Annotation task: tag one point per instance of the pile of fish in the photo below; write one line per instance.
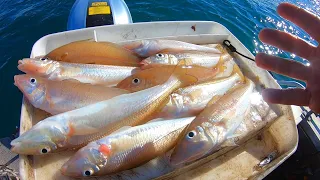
(122, 105)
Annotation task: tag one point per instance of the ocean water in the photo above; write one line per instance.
(22, 22)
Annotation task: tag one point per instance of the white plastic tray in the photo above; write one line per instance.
(231, 163)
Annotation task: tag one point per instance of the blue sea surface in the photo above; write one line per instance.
(23, 22)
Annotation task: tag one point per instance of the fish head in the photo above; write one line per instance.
(139, 81)
(43, 138)
(160, 58)
(32, 87)
(40, 66)
(195, 143)
(87, 161)
(151, 76)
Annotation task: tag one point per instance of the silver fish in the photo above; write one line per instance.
(199, 58)
(146, 48)
(213, 126)
(84, 73)
(191, 100)
(126, 149)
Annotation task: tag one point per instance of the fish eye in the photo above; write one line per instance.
(43, 59)
(160, 55)
(88, 172)
(45, 150)
(191, 134)
(135, 81)
(33, 81)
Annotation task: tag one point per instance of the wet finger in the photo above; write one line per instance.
(306, 20)
(288, 43)
(299, 97)
(283, 66)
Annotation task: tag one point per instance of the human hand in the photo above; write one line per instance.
(309, 74)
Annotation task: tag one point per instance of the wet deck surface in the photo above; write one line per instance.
(304, 164)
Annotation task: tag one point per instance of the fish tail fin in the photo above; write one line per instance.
(237, 70)
(181, 73)
(220, 66)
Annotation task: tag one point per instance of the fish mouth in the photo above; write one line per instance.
(14, 144)
(18, 81)
(15, 79)
(64, 171)
(21, 65)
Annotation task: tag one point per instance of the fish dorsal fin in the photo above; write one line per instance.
(150, 66)
(181, 72)
(187, 61)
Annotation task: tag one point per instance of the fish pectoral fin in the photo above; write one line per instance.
(231, 141)
(188, 61)
(50, 101)
(233, 136)
(194, 95)
(181, 72)
(150, 66)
